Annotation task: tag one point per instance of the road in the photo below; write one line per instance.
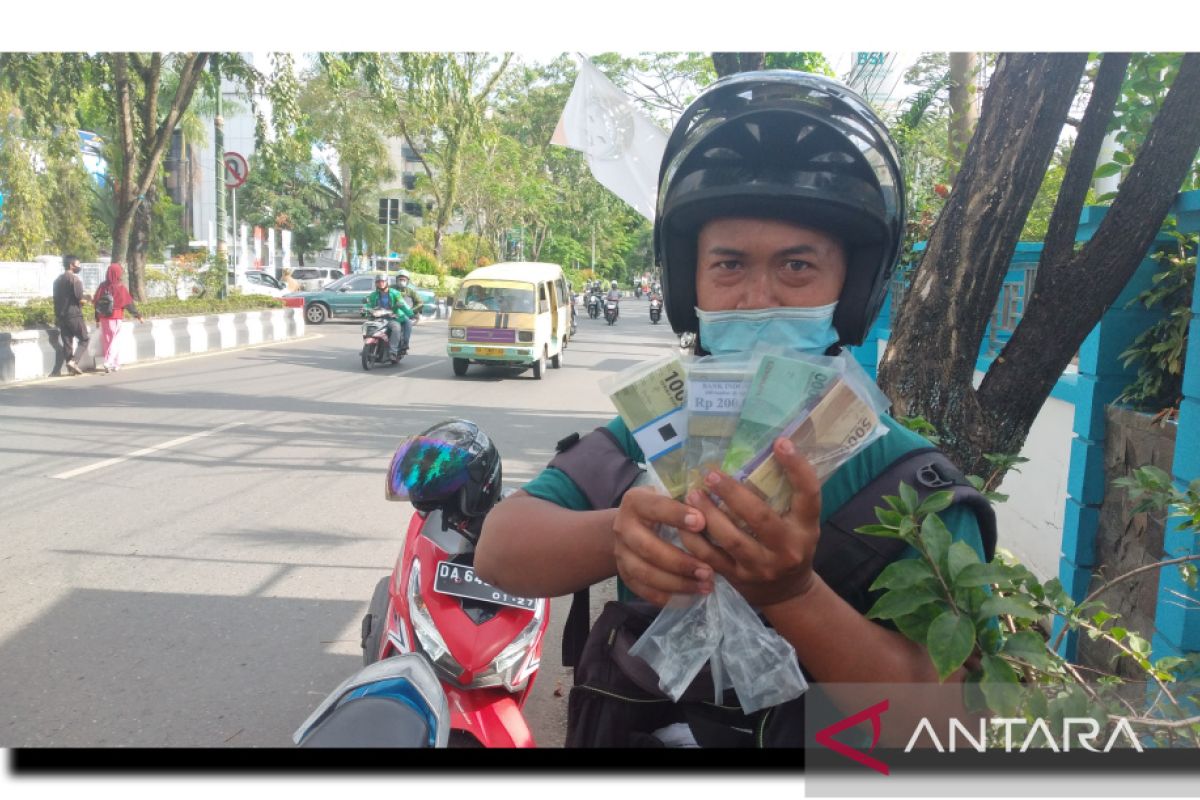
(188, 547)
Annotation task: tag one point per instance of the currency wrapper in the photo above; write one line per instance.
(837, 428)
(651, 403)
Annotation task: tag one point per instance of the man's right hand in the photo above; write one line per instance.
(653, 568)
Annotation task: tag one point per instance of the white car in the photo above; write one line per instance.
(257, 282)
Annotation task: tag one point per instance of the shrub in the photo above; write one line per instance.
(40, 313)
(421, 260)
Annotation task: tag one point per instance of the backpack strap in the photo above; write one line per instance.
(850, 562)
(603, 472)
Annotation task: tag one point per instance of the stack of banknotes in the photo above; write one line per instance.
(690, 415)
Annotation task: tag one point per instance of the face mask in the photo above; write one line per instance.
(808, 329)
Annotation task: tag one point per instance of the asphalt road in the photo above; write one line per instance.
(188, 547)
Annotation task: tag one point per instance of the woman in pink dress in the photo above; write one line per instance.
(113, 315)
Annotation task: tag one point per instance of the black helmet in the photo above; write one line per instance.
(452, 466)
(786, 145)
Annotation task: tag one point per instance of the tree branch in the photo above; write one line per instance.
(1064, 220)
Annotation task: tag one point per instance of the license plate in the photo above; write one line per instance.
(460, 581)
(489, 351)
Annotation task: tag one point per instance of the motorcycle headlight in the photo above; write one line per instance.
(515, 664)
(428, 638)
(458, 333)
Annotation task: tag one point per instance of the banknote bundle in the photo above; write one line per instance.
(716, 389)
(650, 399)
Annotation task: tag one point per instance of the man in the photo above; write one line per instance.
(614, 296)
(68, 313)
(778, 190)
(414, 302)
(391, 300)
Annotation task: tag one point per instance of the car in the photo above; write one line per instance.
(314, 278)
(258, 282)
(345, 296)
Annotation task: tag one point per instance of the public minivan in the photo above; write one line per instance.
(515, 314)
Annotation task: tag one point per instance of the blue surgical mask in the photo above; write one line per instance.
(808, 329)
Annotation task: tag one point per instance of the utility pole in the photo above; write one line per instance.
(219, 175)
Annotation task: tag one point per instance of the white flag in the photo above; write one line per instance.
(623, 146)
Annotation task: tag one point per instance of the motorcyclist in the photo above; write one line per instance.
(404, 286)
(391, 300)
(614, 295)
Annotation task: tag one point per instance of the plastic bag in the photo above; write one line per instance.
(720, 628)
(785, 385)
(650, 399)
(716, 389)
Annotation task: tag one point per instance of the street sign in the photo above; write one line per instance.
(236, 170)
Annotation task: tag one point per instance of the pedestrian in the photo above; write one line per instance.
(112, 300)
(806, 231)
(69, 298)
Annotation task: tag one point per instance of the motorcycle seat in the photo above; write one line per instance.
(374, 721)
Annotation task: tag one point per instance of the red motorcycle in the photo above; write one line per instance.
(485, 644)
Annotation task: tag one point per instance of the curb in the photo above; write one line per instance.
(29, 355)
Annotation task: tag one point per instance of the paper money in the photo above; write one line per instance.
(839, 426)
(716, 390)
(651, 402)
(780, 392)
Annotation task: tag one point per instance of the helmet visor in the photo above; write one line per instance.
(427, 467)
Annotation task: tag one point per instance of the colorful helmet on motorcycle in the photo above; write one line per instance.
(783, 145)
(452, 466)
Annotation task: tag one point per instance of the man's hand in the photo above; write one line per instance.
(768, 559)
(653, 568)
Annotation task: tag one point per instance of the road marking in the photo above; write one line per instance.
(144, 451)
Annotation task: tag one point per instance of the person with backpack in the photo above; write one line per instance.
(777, 190)
(112, 300)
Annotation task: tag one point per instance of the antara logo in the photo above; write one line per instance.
(825, 737)
(1082, 732)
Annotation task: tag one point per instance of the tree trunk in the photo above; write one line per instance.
(929, 363)
(964, 107)
(730, 63)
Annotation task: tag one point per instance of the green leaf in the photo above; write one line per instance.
(978, 574)
(1123, 158)
(885, 531)
(902, 601)
(1139, 645)
(959, 557)
(889, 518)
(909, 497)
(1001, 686)
(902, 574)
(950, 640)
(936, 538)
(995, 606)
(938, 501)
(1029, 647)
(915, 626)
(1107, 170)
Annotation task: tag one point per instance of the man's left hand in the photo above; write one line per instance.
(773, 561)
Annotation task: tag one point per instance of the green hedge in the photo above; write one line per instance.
(40, 313)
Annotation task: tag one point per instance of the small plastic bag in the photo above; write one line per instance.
(716, 388)
(650, 399)
(720, 628)
(759, 663)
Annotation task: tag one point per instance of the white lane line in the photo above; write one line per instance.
(144, 451)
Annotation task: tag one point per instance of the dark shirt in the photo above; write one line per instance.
(68, 296)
